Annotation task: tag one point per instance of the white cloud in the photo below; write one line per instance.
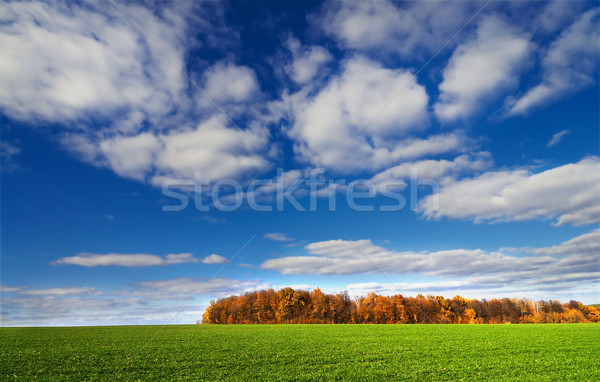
(225, 82)
(569, 64)
(62, 59)
(562, 288)
(74, 64)
(557, 14)
(480, 68)
(125, 260)
(410, 29)
(360, 120)
(569, 193)
(575, 271)
(214, 259)
(362, 91)
(91, 311)
(433, 169)
(286, 179)
(556, 138)
(187, 287)
(214, 150)
(211, 149)
(131, 157)
(306, 61)
(10, 289)
(474, 287)
(362, 256)
(586, 244)
(277, 236)
(579, 255)
(61, 291)
(365, 88)
(569, 269)
(149, 302)
(58, 310)
(575, 277)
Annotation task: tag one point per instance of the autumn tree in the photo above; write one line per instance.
(298, 306)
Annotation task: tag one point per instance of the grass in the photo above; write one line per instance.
(303, 352)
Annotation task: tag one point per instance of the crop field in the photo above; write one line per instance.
(303, 352)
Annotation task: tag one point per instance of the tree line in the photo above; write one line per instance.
(303, 307)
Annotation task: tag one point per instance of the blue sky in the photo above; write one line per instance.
(474, 123)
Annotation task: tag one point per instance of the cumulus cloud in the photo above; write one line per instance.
(125, 260)
(121, 92)
(480, 68)
(361, 119)
(569, 64)
(306, 61)
(211, 149)
(225, 82)
(131, 156)
(361, 92)
(214, 259)
(214, 150)
(569, 193)
(409, 29)
(62, 59)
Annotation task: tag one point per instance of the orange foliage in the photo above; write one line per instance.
(298, 306)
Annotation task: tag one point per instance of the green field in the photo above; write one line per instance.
(303, 352)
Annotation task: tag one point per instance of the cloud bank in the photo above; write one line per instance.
(570, 194)
(125, 260)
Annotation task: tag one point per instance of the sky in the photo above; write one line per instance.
(159, 155)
